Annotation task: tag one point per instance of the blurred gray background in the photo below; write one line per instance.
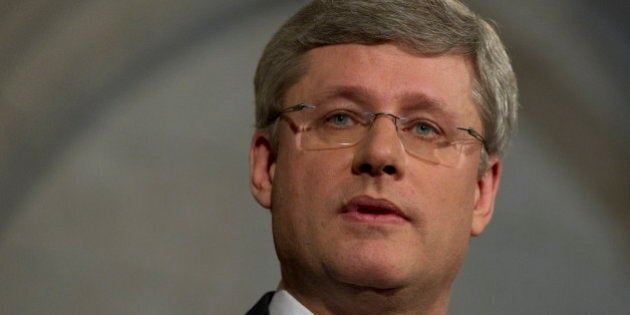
(124, 132)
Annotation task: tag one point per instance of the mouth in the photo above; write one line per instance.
(375, 211)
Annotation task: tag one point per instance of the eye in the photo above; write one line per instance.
(424, 129)
(339, 119)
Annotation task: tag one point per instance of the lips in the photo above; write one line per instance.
(371, 210)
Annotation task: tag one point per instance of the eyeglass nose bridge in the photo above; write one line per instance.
(374, 116)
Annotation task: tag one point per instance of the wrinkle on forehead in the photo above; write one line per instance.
(387, 77)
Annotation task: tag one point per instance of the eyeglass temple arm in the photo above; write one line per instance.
(295, 108)
(475, 134)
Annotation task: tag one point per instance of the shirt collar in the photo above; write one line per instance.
(283, 303)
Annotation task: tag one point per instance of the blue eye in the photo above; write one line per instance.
(339, 119)
(424, 129)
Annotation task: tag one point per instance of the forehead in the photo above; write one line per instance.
(386, 78)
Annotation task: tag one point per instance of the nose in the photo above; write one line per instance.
(380, 152)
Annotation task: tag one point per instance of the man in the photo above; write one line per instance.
(380, 131)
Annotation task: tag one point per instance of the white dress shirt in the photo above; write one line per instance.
(283, 303)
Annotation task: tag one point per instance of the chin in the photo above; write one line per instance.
(373, 271)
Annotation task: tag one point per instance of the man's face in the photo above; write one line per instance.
(371, 215)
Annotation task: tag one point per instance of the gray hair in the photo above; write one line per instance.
(425, 27)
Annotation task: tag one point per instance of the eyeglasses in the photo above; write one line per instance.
(331, 126)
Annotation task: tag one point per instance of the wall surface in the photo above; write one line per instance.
(124, 132)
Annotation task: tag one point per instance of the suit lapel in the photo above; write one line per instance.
(262, 306)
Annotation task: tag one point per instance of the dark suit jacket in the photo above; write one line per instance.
(262, 307)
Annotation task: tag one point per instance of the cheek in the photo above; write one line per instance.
(446, 199)
(309, 187)
(307, 192)
(310, 176)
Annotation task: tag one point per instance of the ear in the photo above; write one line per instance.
(261, 168)
(486, 192)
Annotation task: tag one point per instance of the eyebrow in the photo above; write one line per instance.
(355, 93)
(410, 100)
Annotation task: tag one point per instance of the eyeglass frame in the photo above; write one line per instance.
(301, 106)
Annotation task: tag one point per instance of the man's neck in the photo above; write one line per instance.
(348, 299)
